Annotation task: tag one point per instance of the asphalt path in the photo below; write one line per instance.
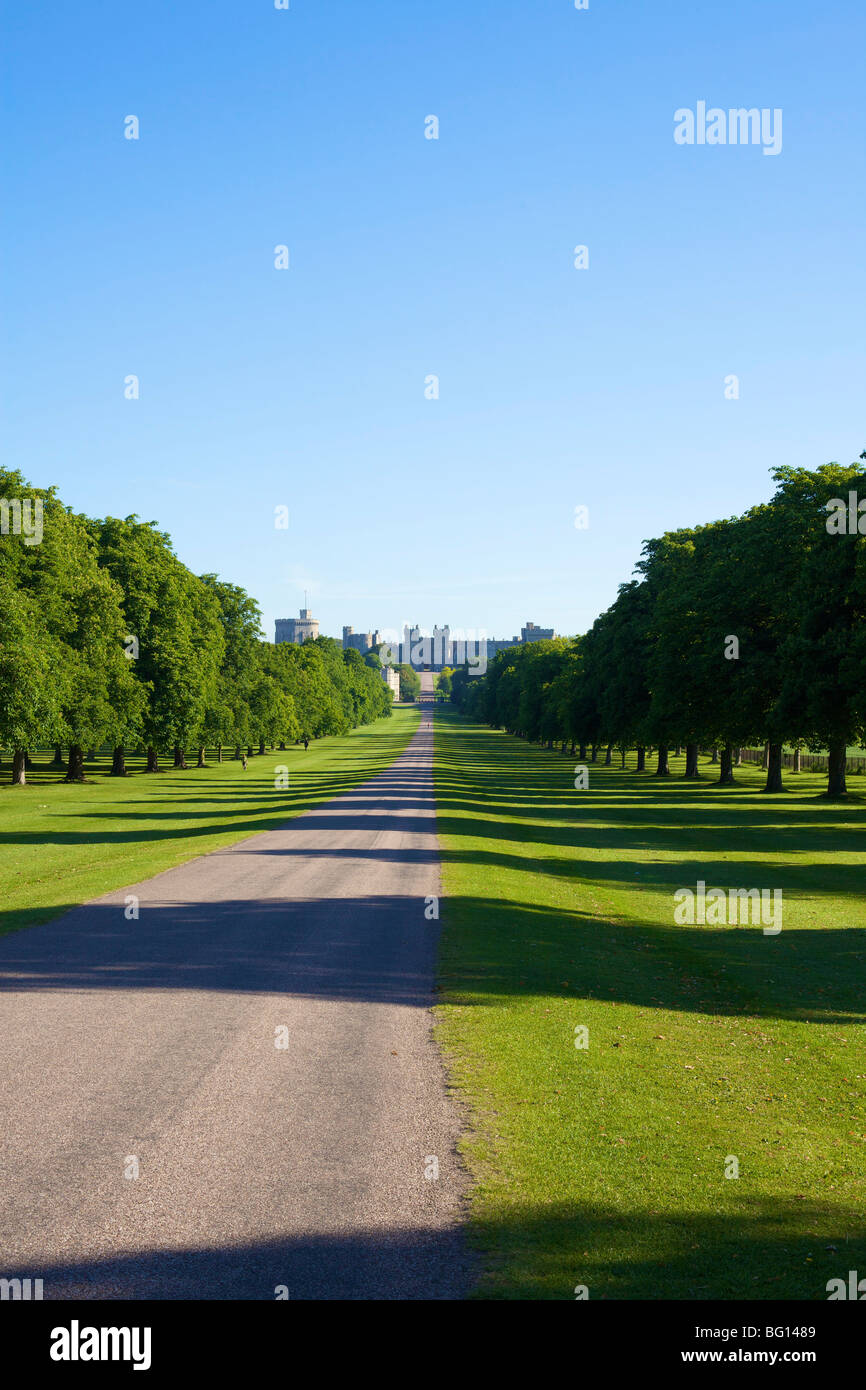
(257, 1048)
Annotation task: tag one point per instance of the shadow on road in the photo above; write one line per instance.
(548, 1251)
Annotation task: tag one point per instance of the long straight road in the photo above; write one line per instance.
(257, 1047)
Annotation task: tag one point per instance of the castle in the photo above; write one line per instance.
(417, 648)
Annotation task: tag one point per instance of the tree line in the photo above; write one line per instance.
(107, 638)
(751, 629)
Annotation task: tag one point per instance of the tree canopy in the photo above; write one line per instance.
(107, 637)
(752, 628)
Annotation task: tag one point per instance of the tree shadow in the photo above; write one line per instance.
(376, 949)
(382, 949)
(741, 1247)
(504, 949)
(744, 1248)
(404, 1265)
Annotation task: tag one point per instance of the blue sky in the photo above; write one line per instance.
(409, 257)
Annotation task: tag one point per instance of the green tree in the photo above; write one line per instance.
(29, 661)
(80, 607)
(823, 658)
(173, 621)
(410, 682)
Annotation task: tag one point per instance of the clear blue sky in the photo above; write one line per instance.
(409, 257)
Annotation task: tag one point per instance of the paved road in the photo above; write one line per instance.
(259, 1166)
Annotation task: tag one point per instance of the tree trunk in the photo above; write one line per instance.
(179, 757)
(715, 757)
(607, 755)
(118, 762)
(219, 752)
(75, 767)
(641, 758)
(622, 754)
(766, 759)
(594, 756)
(19, 770)
(691, 761)
(282, 747)
(662, 769)
(237, 752)
(57, 760)
(726, 767)
(797, 761)
(91, 756)
(261, 748)
(738, 757)
(249, 750)
(581, 752)
(774, 768)
(201, 762)
(836, 784)
(152, 760)
(678, 749)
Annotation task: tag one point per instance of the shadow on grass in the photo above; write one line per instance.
(494, 950)
(500, 790)
(747, 1248)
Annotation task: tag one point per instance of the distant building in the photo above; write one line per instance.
(500, 644)
(392, 680)
(531, 633)
(362, 642)
(433, 651)
(422, 650)
(302, 629)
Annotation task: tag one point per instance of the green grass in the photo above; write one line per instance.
(62, 845)
(605, 1167)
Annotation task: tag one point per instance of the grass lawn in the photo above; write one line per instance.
(61, 845)
(605, 1167)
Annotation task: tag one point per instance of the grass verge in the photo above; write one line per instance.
(606, 1167)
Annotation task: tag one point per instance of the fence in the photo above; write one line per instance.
(809, 762)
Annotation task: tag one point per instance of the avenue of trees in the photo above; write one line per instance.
(107, 638)
(745, 631)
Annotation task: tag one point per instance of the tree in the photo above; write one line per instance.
(80, 612)
(228, 715)
(443, 683)
(29, 660)
(174, 622)
(616, 654)
(410, 683)
(822, 689)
